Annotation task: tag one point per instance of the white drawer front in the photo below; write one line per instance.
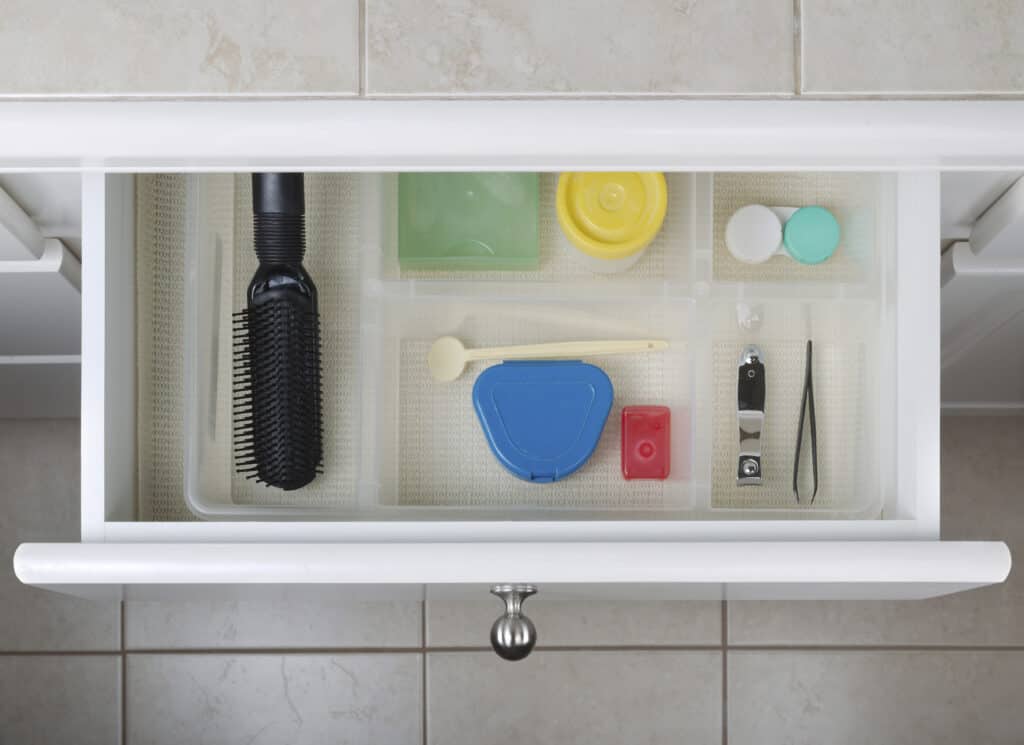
(879, 540)
(728, 571)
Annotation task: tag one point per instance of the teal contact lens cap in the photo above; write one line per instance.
(811, 235)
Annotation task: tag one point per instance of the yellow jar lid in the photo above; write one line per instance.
(611, 215)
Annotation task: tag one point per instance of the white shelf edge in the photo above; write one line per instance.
(701, 135)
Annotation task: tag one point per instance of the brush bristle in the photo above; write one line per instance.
(277, 394)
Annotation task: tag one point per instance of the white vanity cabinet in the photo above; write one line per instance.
(875, 533)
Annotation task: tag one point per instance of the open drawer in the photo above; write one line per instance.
(410, 495)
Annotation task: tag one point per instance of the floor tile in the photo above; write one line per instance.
(255, 698)
(39, 501)
(330, 618)
(189, 47)
(981, 500)
(461, 620)
(913, 46)
(58, 699)
(536, 46)
(581, 696)
(854, 698)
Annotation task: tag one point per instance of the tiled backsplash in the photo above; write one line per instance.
(499, 48)
(207, 47)
(579, 47)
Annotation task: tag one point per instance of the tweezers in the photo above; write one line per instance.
(806, 406)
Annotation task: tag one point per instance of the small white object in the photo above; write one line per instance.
(749, 316)
(753, 234)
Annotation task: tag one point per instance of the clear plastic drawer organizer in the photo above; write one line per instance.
(400, 446)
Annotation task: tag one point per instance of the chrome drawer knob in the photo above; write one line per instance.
(513, 634)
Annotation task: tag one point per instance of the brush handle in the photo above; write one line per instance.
(279, 237)
(279, 224)
(565, 350)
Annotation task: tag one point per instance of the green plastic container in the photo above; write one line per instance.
(468, 221)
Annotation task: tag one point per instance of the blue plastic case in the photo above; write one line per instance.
(543, 420)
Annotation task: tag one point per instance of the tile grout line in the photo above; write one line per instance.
(63, 653)
(412, 649)
(124, 682)
(798, 48)
(876, 648)
(725, 672)
(251, 651)
(423, 683)
(190, 651)
(284, 96)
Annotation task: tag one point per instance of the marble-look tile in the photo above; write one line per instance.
(913, 46)
(58, 699)
(328, 617)
(254, 698)
(39, 501)
(464, 620)
(188, 47)
(538, 46)
(854, 698)
(982, 499)
(589, 697)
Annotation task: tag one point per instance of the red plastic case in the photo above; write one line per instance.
(646, 442)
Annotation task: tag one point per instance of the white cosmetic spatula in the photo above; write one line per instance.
(448, 357)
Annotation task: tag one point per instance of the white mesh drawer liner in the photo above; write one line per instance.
(429, 448)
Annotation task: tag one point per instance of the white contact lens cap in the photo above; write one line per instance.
(753, 234)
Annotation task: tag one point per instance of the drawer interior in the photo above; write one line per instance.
(399, 446)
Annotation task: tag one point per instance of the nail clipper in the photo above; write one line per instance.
(750, 415)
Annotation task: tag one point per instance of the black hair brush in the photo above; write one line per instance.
(277, 345)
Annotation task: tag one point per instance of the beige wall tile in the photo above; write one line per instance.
(537, 46)
(465, 621)
(897, 698)
(39, 501)
(574, 697)
(325, 617)
(913, 46)
(58, 699)
(188, 47)
(297, 699)
(982, 499)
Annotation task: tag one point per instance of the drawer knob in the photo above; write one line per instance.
(513, 634)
